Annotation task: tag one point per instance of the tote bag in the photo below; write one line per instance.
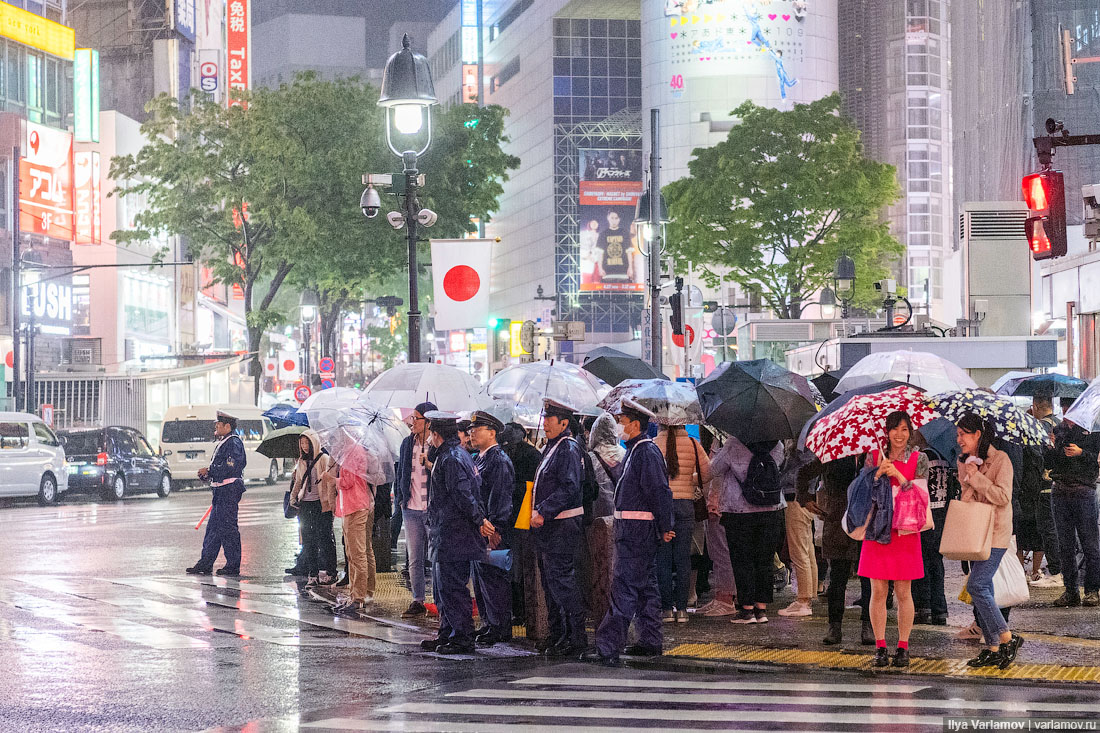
(967, 531)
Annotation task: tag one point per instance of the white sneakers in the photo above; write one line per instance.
(717, 608)
(797, 608)
(1046, 581)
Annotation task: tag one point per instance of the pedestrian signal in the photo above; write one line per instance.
(1045, 228)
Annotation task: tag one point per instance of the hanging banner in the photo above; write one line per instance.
(88, 211)
(460, 275)
(238, 35)
(46, 182)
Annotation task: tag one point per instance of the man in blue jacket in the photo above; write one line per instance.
(643, 520)
(492, 584)
(410, 492)
(225, 476)
(556, 518)
(457, 530)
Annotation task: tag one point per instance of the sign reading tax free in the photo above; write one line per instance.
(238, 45)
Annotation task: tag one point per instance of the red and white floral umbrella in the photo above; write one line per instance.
(860, 426)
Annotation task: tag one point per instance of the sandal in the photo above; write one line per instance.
(973, 632)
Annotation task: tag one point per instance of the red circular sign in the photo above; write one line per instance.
(327, 364)
(10, 360)
(289, 365)
(271, 366)
(679, 340)
(461, 283)
(302, 393)
(327, 384)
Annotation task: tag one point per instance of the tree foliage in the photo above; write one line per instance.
(773, 205)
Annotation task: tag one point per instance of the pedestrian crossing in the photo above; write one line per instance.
(139, 510)
(656, 702)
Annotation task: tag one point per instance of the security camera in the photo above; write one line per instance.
(370, 202)
(981, 308)
(427, 217)
(886, 287)
(1054, 126)
(396, 219)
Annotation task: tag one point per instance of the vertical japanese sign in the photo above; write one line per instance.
(183, 18)
(88, 214)
(86, 95)
(46, 182)
(238, 34)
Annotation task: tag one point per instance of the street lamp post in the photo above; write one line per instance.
(407, 96)
(844, 282)
(308, 306)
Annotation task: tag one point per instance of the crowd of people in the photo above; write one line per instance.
(628, 522)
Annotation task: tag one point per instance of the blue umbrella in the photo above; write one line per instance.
(842, 400)
(1050, 385)
(285, 415)
(942, 437)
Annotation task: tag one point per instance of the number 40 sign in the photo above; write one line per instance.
(676, 84)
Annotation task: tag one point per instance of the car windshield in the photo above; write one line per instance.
(83, 443)
(187, 431)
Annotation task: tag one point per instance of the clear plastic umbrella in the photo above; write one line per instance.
(674, 403)
(407, 385)
(929, 372)
(335, 398)
(1085, 410)
(362, 437)
(526, 385)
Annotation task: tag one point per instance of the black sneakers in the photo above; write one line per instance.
(199, 570)
(416, 608)
(901, 658)
(881, 658)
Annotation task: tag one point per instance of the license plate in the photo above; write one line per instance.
(192, 455)
(73, 470)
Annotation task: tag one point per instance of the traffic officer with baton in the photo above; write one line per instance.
(493, 584)
(643, 520)
(457, 532)
(556, 523)
(225, 476)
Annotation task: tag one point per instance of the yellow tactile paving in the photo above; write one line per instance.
(845, 660)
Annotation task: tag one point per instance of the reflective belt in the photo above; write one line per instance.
(570, 513)
(648, 516)
(226, 482)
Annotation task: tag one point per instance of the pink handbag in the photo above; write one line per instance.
(912, 511)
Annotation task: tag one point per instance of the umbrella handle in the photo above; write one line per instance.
(204, 516)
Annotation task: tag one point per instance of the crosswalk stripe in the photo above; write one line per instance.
(736, 686)
(893, 703)
(817, 717)
(440, 726)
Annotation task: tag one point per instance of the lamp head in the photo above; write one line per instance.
(844, 277)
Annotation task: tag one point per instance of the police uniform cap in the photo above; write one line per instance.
(441, 416)
(464, 426)
(554, 408)
(225, 417)
(485, 419)
(635, 411)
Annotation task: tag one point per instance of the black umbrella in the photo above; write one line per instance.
(756, 400)
(613, 366)
(826, 383)
(1047, 385)
(842, 400)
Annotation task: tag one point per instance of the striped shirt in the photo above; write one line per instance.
(418, 479)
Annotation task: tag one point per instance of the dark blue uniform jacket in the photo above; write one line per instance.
(454, 517)
(643, 487)
(228, 461)
(558, 489)
(497, 481)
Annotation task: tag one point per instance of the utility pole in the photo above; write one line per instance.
(16, 279)
(655, 243)
(412, 207)
(31, 403)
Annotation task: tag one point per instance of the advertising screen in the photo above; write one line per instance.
(610, 184)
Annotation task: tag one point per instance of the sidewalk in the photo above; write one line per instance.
(1062, 644)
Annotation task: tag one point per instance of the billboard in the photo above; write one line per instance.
(238, 36)
(183, 18)
(46, 182)
(86, 95)
(87, 214)
(35, 31)
(610, 184)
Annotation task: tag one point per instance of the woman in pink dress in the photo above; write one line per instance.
(900, 561)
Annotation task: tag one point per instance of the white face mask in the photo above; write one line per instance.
(620, 431)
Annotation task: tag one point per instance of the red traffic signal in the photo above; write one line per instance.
(1045, 229)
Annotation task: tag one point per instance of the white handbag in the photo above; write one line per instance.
(1010, 582)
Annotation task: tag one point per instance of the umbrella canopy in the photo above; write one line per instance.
(1007, 377)
(526, 385)
(859, 425)
(930, 372)
(613, 366)
(1050, 385)
(1086, 408)
(942, 437)
(1010, 423)
(363, 438)
(756, 400)
(674, 403)
(842, 400)
(281, 443)
(827, 382)
(336, 398)
(283, 415)
(407, 385)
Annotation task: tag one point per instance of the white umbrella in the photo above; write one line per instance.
(362, 428)
(929, 372)
(328, 399)
(407, 385)
(526, 385)
(1085, 410)
(673, 403)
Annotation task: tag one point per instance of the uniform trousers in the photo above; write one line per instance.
(493, 591)
(634, 596)
(565, 608)
(221, 529)
(456, 612)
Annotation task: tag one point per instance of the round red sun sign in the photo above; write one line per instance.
(679, 340)
(461, 283)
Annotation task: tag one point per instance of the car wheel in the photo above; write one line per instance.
(272, 473)
(116, 490)
(47, 491)
(165, 486)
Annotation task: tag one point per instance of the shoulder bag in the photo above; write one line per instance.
(967, 531)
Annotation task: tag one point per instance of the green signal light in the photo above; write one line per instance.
(471, 124)
(493, 322)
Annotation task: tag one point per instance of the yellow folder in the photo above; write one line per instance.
(523, 521)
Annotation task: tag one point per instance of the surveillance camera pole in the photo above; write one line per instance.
(412, 207)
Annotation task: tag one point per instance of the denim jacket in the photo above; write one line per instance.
(870, 497)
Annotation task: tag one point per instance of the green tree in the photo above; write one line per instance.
(773, 205)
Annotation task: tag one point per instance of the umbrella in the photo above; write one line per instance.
(859, 425)
(526, 385)
(929, 372)
(1086, 408)
(363, 437)
(327, 400)
(283, 415)
(1009, 422)
(756, 400)
(826, 383)
(613, 366)
(838, 402)
(281, 443)
(407, 385)
(942, 437)
(1009, 377)
(1050, 385)
(674, 403)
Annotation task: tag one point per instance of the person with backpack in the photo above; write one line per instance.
(315, 497)
(688, 469)
(751, 504)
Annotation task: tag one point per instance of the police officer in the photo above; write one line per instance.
(643, 519)
(225, 478)
(492, 584)
(457, 532)
(556, 518)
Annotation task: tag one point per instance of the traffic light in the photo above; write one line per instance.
(1045, 194)
(677, 317)
(710, 306)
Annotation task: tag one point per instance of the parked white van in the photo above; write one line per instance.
(32, 461)
(187, 441)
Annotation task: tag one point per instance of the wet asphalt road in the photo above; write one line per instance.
(101, 630)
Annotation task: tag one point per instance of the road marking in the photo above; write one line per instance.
(737, 686)
(744, 716)
(441, 726)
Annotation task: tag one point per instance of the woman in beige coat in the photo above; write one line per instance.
(315, 496)
(688, 469)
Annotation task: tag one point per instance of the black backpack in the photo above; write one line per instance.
(761, 486)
